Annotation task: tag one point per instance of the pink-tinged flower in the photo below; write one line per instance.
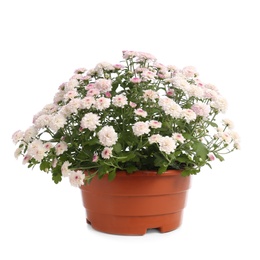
(70, 95)
(90, 86)
(65, 169)
(188, 115)
(226, 137)
(107, 136)
(103, 85)
(95, 157)
(118, 66)
(93, 92)
(178, 137)
(119, 100)
(71, 107)
(154, 138)
(80, 70)
(132, 104)
(47, 146)
(211, 157)
(77, 178)
(90, 121)
(140, 112)
(85, 77)
(147, 75)
(189, 72)
(87, 102)
(26, 158)
(135, 80)
(108, 95)
(142, 56)
(201, 109)
(155, 124)
(61, 147)
(17, 136)
(102, 103)
(107, 152)
(140, 128)
(167, 144)
(129, 54)
(150, 94)
(170, 93)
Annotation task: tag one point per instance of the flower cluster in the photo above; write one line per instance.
(139, 114)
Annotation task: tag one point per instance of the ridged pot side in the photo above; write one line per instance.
(133, 203)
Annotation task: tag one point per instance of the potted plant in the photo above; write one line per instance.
(111, 127)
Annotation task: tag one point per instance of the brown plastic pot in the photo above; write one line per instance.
(133, 203)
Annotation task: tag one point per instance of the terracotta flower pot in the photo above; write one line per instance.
(133, 203)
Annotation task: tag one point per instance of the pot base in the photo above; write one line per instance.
(133, 225)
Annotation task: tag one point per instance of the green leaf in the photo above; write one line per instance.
(56, 178)
(44, 165)
(112, 175)
(131, 169)
(117, 148)
(200, 150)
(162, 169)
(219, 157)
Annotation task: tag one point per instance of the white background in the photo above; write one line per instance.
(43, 42)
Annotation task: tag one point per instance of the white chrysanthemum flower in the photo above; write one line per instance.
(102, 103)
(61, 147)
(140, 128)
(17, 136)
(71, 85)
(188, 115)
(154, 138)
(104, 66)
(65, 169)
(77, 178)
(56, 122)
(220, 103)
(107, 136)
(119, 100)
(196, 91)
(90, 121)
(70, 94)
(30, 133)
(167, 144)
(201, 109)
(87, 102)
(37, 150)
(103, 85)
(173, 110)
(150, 94)
(227, 122)
(189, 72)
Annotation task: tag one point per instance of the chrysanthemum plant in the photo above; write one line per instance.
(136, 115)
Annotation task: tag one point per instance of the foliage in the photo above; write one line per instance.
(139, 114)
